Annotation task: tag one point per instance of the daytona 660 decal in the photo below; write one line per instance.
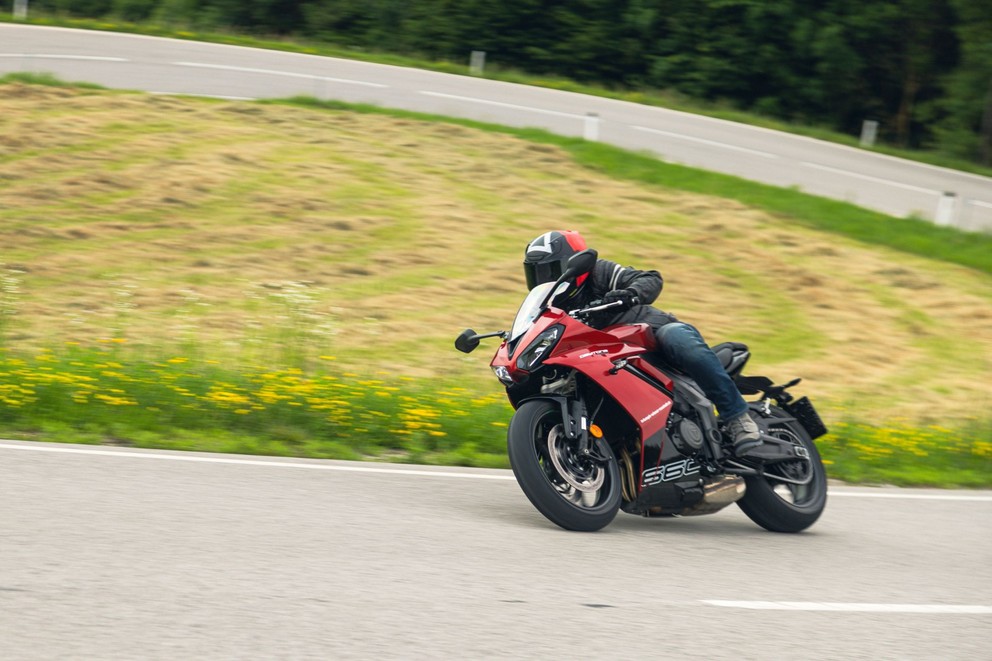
(669, 472)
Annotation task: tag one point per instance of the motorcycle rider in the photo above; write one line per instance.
(680, 344)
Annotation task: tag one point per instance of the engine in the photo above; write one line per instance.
(686, 435)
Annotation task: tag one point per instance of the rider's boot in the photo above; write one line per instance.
(744, 432)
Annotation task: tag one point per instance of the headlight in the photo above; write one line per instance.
(503, 374)
(539, 348)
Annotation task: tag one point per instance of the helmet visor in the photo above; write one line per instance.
(538, 274)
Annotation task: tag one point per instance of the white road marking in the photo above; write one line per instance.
(385, 469)
(272, 72)
(933, 609)
(503, 105)
(55, 56)
(887, 182)
(712, 143)
(207, 459)
(987, 205)
(907, 496)
(815, 142)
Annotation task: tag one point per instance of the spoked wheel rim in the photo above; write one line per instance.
(794, 482)
(577, 479)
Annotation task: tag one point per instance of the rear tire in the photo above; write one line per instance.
(777, 505)
(534, 435)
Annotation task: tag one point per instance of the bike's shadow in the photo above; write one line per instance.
(730, 522)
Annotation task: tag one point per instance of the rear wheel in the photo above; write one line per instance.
(572, 490)
(790, 495)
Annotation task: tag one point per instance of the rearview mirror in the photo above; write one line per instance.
(467, 342)
(579, 263)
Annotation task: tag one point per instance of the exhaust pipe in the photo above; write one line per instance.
(717, 494)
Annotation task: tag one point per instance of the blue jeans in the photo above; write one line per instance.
(683, 348)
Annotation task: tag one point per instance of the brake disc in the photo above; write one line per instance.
(567, 465)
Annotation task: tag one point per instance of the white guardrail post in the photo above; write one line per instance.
(946, 209)
(477, 63)
(869, 131)
(591, 130)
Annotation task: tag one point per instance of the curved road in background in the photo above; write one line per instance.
(894, 186)
(117, 553)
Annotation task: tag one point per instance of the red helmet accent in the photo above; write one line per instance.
(575, 240)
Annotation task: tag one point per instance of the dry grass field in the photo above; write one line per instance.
(170, 224)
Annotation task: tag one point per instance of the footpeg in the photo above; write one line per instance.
(775, 450)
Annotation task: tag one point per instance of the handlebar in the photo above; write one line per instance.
(594, 307)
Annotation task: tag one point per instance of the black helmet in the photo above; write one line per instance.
(547, 255)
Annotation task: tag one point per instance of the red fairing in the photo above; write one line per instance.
(594, 353)
(646, 405)
(653, 372)
(641, 335)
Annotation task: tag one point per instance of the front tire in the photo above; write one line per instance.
(570, 490)
(774, 500)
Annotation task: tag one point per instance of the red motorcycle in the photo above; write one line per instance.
(602, 424)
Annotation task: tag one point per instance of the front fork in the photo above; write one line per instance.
(575, 423)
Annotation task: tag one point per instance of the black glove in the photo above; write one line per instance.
(626, 296)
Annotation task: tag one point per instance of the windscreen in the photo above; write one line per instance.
(530, 309)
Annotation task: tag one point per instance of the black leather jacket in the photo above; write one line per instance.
(607, 276)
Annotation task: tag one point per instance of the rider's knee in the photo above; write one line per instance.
(676, 334)
(681, 342)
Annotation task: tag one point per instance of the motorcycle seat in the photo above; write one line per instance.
(640, 335)
(732, 355)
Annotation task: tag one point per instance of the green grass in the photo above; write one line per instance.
(650, 97)
(919, 237)
(910, 455)
(102, 396)
(30, 78)
(109, 394)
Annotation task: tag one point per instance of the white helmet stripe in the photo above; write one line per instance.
(545, 246)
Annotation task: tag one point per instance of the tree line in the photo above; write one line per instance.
(921, 68)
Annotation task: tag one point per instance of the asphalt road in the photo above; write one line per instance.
(890, 185)
(110, 553)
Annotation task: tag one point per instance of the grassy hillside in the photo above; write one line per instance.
(273, 237)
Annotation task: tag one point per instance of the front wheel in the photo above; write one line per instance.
(791, 495)
(571, 490)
